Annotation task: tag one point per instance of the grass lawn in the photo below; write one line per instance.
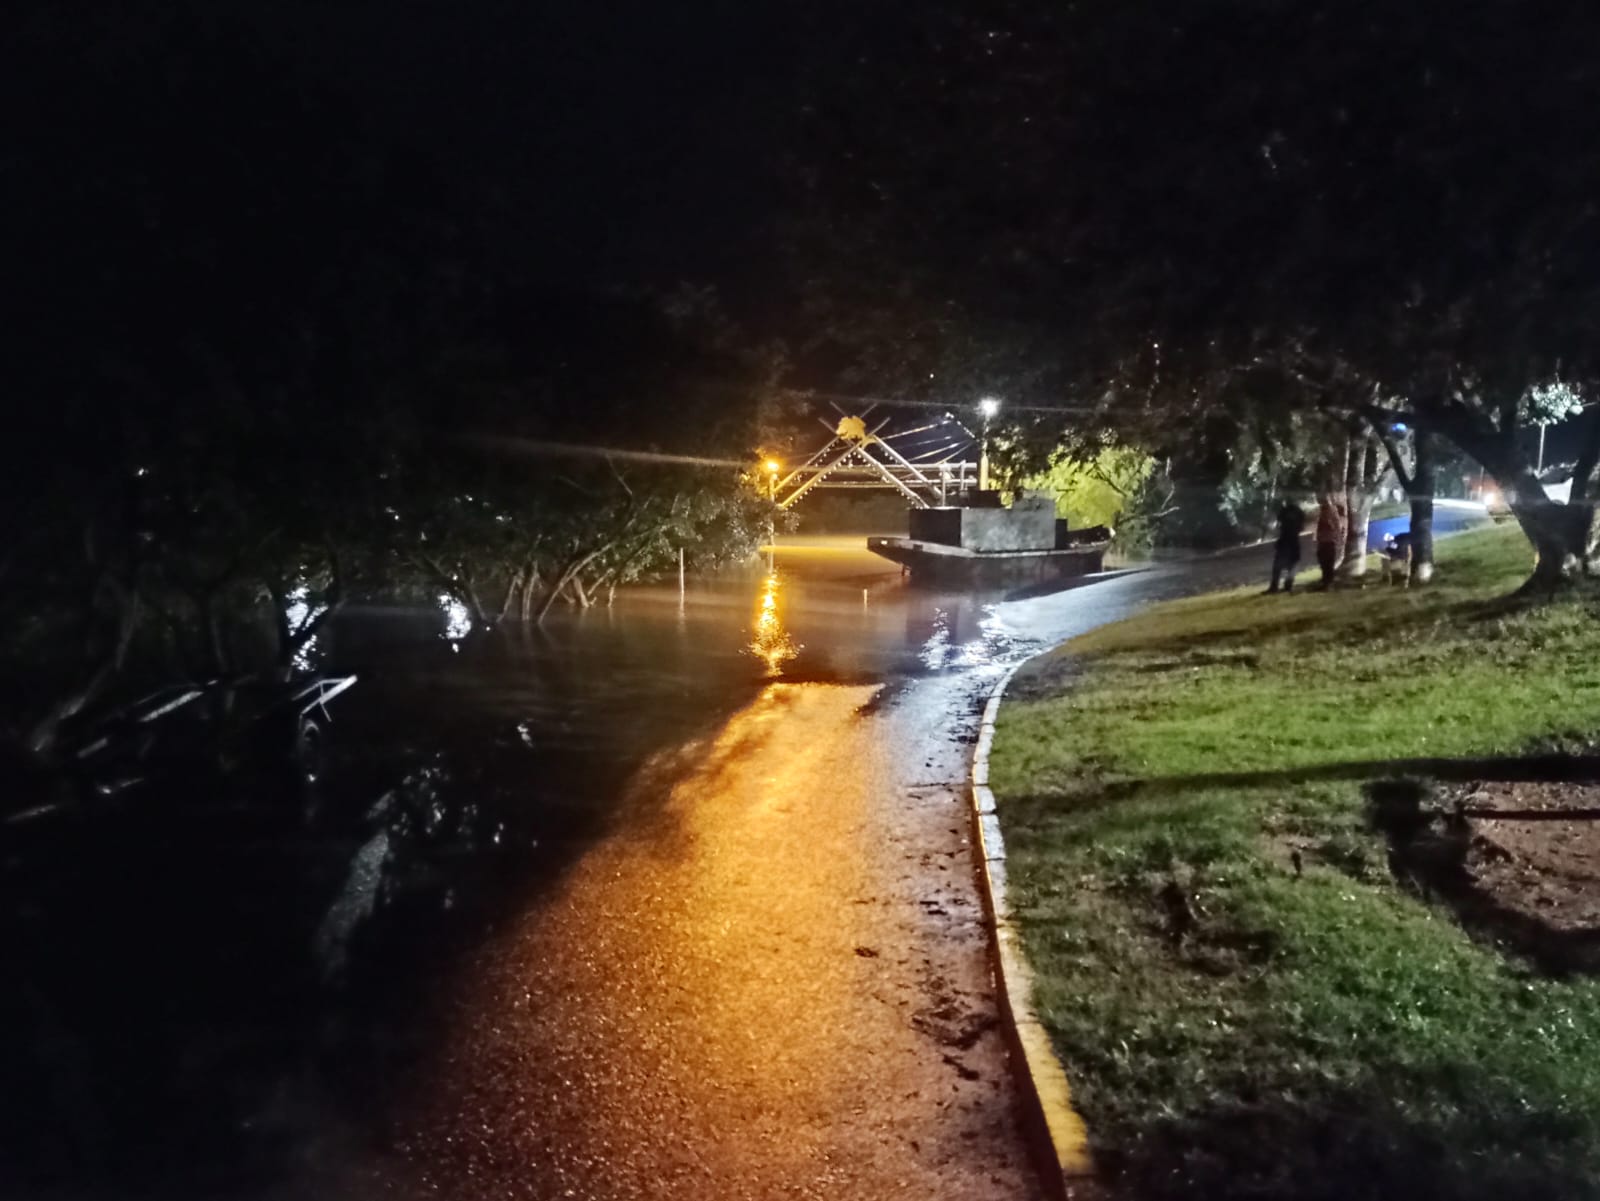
(1314, 1033)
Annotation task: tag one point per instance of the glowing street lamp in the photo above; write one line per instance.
(988, 406)
(772, 466)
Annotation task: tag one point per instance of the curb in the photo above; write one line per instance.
(1059, 1139)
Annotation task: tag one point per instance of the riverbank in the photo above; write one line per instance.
(1257, 991)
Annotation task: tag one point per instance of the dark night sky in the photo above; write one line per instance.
(629, 140)
(627, 144)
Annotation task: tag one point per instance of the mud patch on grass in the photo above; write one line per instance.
(1518, 861)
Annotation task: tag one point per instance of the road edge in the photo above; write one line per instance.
(1057, 1134)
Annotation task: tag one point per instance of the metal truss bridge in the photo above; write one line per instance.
(927, 465)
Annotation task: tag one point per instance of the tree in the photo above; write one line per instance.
(1364, 471)
(193, 349)
(1097, 490)
(250, 389)
(1417, 473)
(1163, 204)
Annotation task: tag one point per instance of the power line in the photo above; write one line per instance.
(575, 450)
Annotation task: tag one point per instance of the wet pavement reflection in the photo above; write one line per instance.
(670, 898)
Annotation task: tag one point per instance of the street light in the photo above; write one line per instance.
(772, 466)
(988, 406)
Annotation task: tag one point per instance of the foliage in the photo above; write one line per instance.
(1344, 1022)
(1172, 223)
(1097, 490)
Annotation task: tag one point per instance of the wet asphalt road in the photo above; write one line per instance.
(775, 981)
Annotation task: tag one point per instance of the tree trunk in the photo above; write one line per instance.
(1584, 485)
(567, 574)
(549, 601)
(42, 736)
(1420, 488)
(480, 615)
(1587, 521)
(1341, 482)
(1581, 537)
(1562, 535)
(1362, 476)
(278, 598)
(608, 581)
(1419, 483)
(530, 586)
(513, 592)
(216, 649)
(1583, 472)
(1358, 505)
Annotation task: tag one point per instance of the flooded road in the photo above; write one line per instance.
(769, 977)
(769, 986)
(672, 899)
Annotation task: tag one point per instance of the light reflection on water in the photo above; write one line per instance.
(957, 642)
(937, 648)
(995, 643)
(828, 610)
(590, 693)
(457, 620)
(770, 642)
(298, 612)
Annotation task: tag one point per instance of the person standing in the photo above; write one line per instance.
(1332, 521)
(1286, 554)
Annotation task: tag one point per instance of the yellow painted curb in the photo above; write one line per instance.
(1048, 1094)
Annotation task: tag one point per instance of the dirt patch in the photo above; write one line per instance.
(1519, 861)
(1534, 862)
(1043, 677)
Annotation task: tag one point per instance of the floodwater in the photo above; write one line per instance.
(669, 899)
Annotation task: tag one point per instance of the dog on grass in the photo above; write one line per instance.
(1394, 560)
